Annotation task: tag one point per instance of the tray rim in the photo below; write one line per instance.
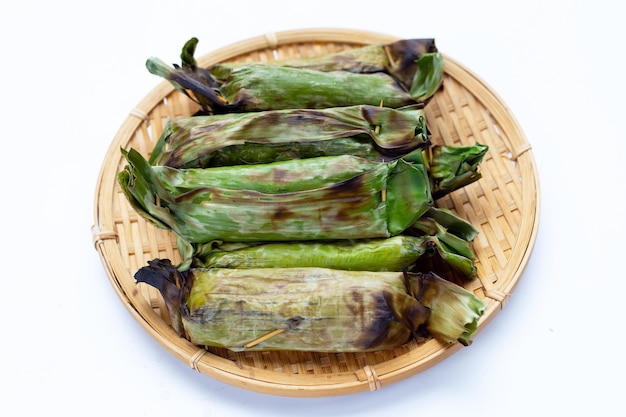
(260, 380)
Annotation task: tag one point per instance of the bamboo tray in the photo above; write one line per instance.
(503, 206)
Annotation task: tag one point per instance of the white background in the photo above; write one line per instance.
(71, 73)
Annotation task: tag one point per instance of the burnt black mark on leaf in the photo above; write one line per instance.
(281, 213)
(377, 330)
(294, 322)
(280, 175)
(347, 187)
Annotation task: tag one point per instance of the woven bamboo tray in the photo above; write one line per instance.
(503, 206)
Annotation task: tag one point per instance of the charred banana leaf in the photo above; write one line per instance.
(257, 86)
(272, 178)
(396, 253)
(398, 59)
(390, 254)
(451, 249)
(450, 167)
(452, 223)
(381, 202)
(311, 309)
(260, 137)
(454, 311)
(454, 167)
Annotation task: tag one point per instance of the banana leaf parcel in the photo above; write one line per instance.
(398, 59)
(259, 137)
(395, 253)
(382, 201)
(312, 309)
(257, 86)
(385, 254)
(274, 177)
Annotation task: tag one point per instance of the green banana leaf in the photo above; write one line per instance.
(311, 309)
(382, 202)
(453, 235)
(257, 86)
(260, 137)
(384, 254)
(271, 178)
(398, 59)
(449, 167)
(454, 167)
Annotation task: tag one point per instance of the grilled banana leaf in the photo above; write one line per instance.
(387, 254)
(396, 253)
(311, 309)
(454, 167)
(452, 223)
(398, 59)
(260, 137)
(450, 167)
(257, 86)
(271, 178)
(381, 202)
(453, 236)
